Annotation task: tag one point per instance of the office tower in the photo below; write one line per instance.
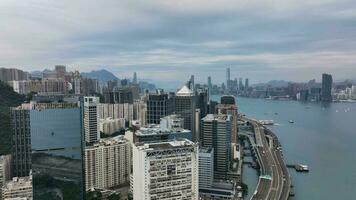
(202, 99)
(165, 170)
(21, 141)
(216, 133)
(170, 128)
(185, 104)
(158, 106)
(134, 80)
(241, 86)
(77, 82)
(108, 163)
(206, 168)
(246, 84)
(228, 78)
(18, 188)
(228, 107)
(327, 82)
(210, 86)
(56, 143)
(5, 170)
(91, 119)
(191, 83)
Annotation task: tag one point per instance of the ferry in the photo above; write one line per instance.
(291, 121)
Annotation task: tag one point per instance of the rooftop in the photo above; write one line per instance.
(185, 91)
(218, 117)
(165, 145)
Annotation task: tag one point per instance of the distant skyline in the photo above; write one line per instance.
(166, 41)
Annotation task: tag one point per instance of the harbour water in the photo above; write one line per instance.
(323, 136)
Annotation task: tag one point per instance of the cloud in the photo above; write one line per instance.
(169, 40)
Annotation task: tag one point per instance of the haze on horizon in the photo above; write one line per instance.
(167, 41)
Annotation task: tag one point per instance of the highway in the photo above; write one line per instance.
(274, 181)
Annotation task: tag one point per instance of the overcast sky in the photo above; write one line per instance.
(168, 40)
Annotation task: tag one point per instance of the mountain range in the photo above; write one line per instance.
(103, 76)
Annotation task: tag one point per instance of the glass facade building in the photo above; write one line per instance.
(56, 146)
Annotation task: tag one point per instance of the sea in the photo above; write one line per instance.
(323, 136)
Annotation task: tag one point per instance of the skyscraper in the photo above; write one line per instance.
(210, 86)
(21, 141)
(165, 170)
(185, 104)
(216, 133)
(158, 106)
(134, 80)
(91, 119)
(327, 82)
(228, 78)
(241, 86)
(246, 84)
(56, 143)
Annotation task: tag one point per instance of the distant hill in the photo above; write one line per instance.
(103, 76)
(8, 98)
(274, 83)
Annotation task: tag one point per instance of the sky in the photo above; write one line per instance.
(166, 41)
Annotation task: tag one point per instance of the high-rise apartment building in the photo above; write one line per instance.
(158, 106)
(185, 104)
(327, 82)
(216, 134)
(11, 74)
(91, 125)
(165, 170)
(108, 163)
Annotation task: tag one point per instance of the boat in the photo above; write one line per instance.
(266, 122)
(291, 121)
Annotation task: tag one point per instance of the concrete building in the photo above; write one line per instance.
(11, 74)
(53, 86)
(91, 119)
(116, 111)
(140, 112)
(158, 106)
(206, 167)
(185, 104)
(109, 125)
(170, 128)
(165, 170)
(216, 134)
(108, 163)
(5, 170)
(18, 188)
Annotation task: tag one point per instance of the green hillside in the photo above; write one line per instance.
(8, 98)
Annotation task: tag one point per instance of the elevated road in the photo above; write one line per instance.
(274, 181)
